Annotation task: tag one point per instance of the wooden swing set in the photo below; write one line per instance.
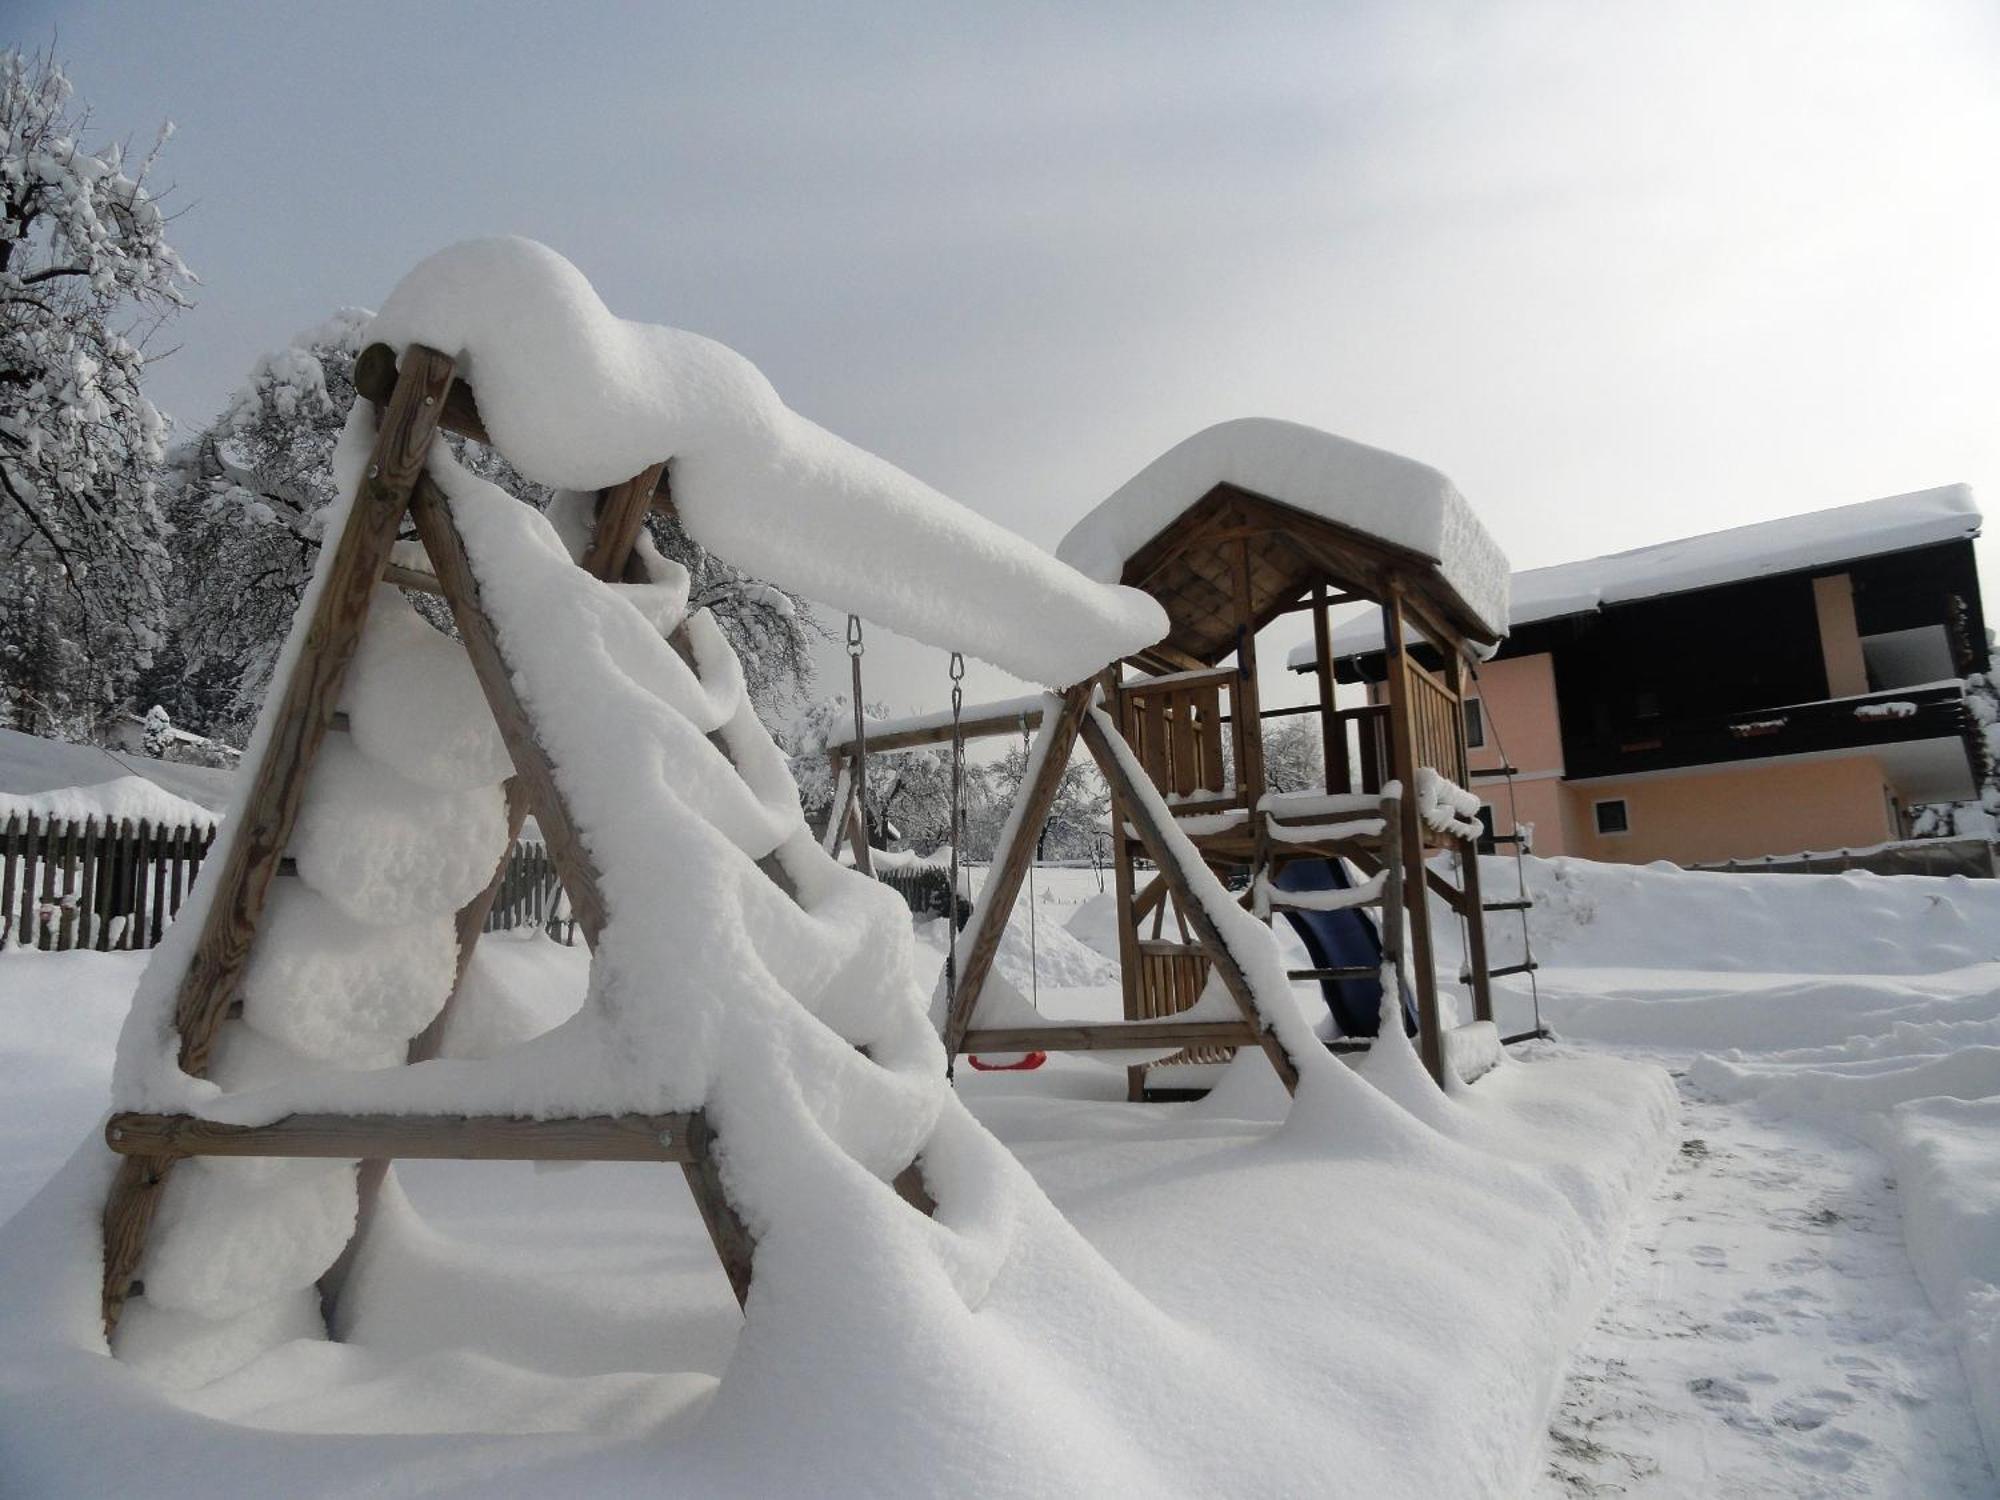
(1187, 713)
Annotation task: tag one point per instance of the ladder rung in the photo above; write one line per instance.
(1527, 968)
(1507, 838)
(1489, 772)
(1508, 906)
(1352, 971)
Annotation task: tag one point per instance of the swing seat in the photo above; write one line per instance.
(1029, 1061)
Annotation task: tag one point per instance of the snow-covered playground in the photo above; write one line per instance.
(336, 1192)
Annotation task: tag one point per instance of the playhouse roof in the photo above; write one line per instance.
(1763, 549)
(1370, 495)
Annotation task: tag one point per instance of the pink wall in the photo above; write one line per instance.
(1734, 812)
(1518, 698)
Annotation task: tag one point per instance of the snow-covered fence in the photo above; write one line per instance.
(530, 895)
(1974, 857)
(89, 883)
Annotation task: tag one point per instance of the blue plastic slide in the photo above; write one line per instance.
(1341, 940)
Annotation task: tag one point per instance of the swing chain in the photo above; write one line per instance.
(854, 650)
(957, 822)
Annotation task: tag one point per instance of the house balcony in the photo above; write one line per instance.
(1925, 736)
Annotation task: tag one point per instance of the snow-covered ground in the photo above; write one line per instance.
(1812, 1308)
(531, 1332)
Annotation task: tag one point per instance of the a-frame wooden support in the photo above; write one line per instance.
(1078, 717)
(395, 484)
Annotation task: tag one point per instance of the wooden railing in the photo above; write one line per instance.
(1176, 725)
(1440, 732)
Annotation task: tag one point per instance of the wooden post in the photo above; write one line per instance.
(1010, 865)
(1337, 774)
(1129, 914)
(1402, 753)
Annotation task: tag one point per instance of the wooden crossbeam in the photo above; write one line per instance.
(664, 1138)
(1110, 1036)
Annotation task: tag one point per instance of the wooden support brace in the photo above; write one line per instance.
(1010, 865)
(1138, 810)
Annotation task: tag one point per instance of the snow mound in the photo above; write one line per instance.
(123, 798)
(1380, 494)
(579, 399)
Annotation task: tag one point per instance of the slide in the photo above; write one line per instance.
(1340, 940)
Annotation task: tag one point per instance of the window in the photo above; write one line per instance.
(1486, 844)
(1475, 723)
(1612, 815)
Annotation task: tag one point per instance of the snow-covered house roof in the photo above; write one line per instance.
(1394, 500)
(1764, 549)
(581, 400)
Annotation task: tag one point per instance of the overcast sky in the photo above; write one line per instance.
(1624, 271)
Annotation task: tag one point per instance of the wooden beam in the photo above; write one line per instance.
(1111, 1036)
(981, 726)
(1138, 810)
(303, 713)
(621, 516)
(666, 1138)
(1410, 828)
(1010, 865)
(574, 865)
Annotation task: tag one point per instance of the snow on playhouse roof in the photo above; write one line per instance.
(580, 399)
(1394, 499)
(1764, 549)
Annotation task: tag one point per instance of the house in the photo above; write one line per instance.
(1789, 685)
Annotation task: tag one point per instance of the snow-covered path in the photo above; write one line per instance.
(1766, 1336)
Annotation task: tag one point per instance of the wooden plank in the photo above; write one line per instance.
(574, 865)
(1153, 753)
(1207, 706)
(1112, 1036)
(299, 718)
(734, 1246)
(10, 858)
(975, 725)
(664, 1138)
(621, 516)
(86, 901)
(156, 851)
(1410, 830)
(1138, 811)
(1010, 865)
(1186, 777)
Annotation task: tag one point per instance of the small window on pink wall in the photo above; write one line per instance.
(1612, 815)
(1475, 723)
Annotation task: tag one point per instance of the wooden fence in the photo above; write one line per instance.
(66, 883)
(69, 884)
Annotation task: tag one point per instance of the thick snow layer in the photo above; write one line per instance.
(1946, 1154)
(385, 849)
(414, 704)
(1393, 499)
(1859, 1003)
(329, 986)
(130, 798)
(30, 764)
(517, 1334)
(1819, 539)
(580, 400)
(231, 1236)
